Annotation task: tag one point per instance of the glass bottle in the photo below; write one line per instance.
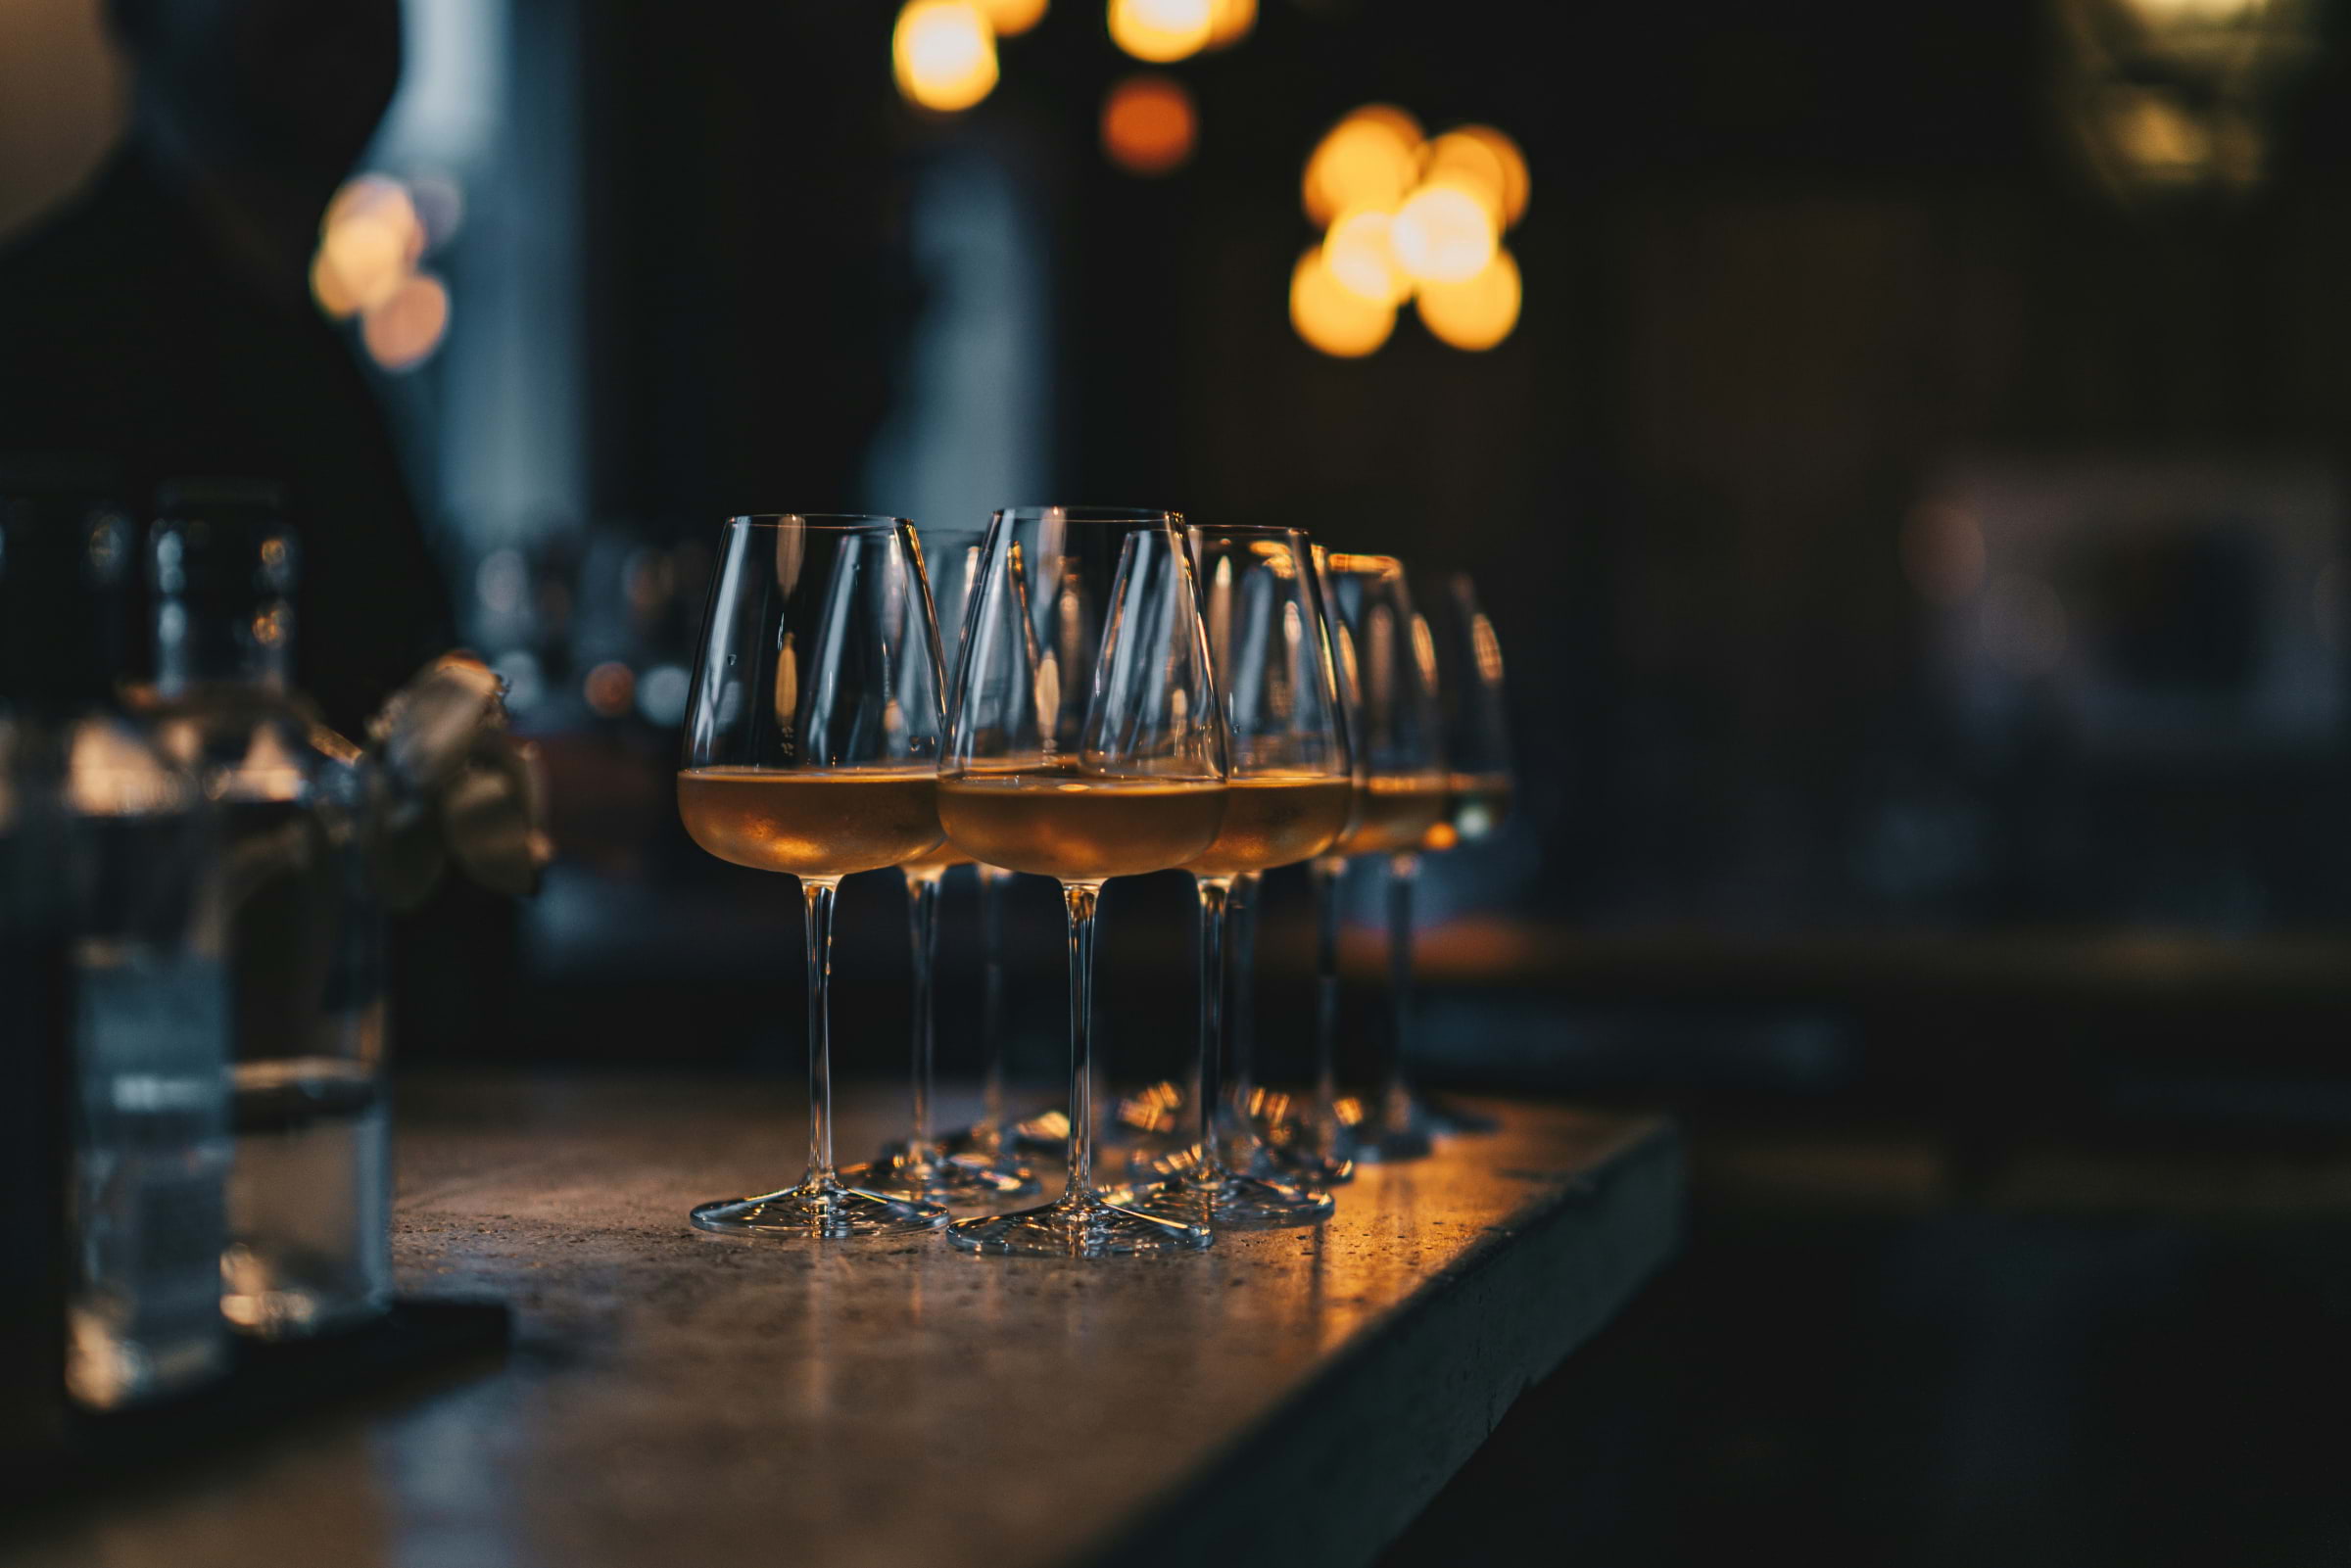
(309, 1192)
(112, 855)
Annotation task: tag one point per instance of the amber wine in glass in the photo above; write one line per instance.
(1051, 823)
(812, 742)
(811, 823)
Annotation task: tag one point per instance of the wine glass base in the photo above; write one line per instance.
(1236, 1203)
(1088, 1228)
(817, 1212)
(953, 1179)
(1300, 1165)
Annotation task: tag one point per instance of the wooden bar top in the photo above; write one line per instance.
(686, 1402)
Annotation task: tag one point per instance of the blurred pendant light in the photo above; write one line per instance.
(1330, 316)
(1012, 18)
(1162, 30)
(402, 332)
(943, 54)
(1476, 314)
(1149, 125)
(1369, 158)
(1358, 253)
(1408, 218)
(1230, 22)
(1443, 235)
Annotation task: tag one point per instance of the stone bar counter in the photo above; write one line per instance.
(676, 1400)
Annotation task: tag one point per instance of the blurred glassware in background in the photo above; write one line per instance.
(310, 1191)
(110, 848)
(1401, 794)
(2167, 98)
(1481, 777)
(1481, 780)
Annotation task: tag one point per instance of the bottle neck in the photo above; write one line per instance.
(200, 641)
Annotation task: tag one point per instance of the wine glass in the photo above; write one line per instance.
(812, 742)
(1400, 787)
(1087, 741)
(1480, 777)
(920, 1165)
(1290, 795)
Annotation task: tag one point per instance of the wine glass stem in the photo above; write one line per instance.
(816, 894)
(995, 1128)
(1404, 871)
(1081, 899)
(1207, 1086)
(1324, 873)
(921, 924)
(1241, 1024)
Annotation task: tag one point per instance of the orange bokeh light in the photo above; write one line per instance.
(1149, 125)
(1230, 22)
(1358, 254)
(1443, 233)
(943, 54)
(1011, 18)
(1477, 312)
(609, 688)
(1330, 316)
(402, 332)
(1369, 158)
(1506, 159)
(1162, 30)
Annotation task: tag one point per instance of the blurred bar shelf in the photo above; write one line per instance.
(1289, 1396)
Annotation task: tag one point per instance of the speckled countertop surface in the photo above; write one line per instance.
(672, 1398)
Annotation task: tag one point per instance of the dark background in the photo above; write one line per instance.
(2001, 983)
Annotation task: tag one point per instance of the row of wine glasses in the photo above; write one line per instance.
(1084, 736)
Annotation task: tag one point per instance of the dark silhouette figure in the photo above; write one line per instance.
(162, 320)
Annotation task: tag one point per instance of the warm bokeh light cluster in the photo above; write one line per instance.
(944, 57)
(1149, 123)
(371, 243)
(944, 52)
(1404, 218)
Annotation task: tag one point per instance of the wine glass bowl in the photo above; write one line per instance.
(813, 733)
